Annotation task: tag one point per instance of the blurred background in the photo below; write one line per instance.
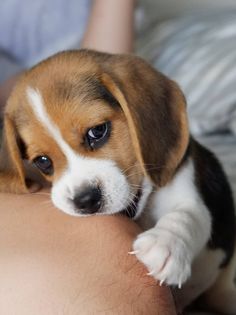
(194, 43)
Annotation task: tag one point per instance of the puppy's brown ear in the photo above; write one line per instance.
(155, 110)
(12, 176)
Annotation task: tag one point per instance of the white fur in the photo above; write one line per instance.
(36, 102)
(116, 192)
(183, 227)
(81, 170)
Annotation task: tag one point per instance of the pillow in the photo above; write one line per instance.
(198, 51)
(161, 10)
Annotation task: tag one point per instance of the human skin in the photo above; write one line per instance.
(52, 263)
(110, 26)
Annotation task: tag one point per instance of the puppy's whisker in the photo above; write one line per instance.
(131, 197)
(148, 169)
(128, 168)
(133, 174)
(125, 206)
(130, 207)
(145, 165)
(130, 204)
(136, 185)
(142, 188)
(158, 167)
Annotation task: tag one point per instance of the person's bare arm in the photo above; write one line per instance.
(110, 26)
(52, 263)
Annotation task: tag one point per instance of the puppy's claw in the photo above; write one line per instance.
(161, 282)
(134, 252)
(180, 285)
(151, 273)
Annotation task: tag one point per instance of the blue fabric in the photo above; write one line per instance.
(33, 30)
(8, 66)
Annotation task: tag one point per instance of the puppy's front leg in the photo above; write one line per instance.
(182, 230)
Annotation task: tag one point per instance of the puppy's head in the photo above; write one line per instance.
(103, 129)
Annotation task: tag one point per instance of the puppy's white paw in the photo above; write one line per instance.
(165, 255)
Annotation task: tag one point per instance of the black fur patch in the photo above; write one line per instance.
(215, 190)
(22, 148)
(86, 88)
(105, 95)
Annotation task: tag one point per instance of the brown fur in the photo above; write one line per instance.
(82, 89)
(11, 168)
(155, 110)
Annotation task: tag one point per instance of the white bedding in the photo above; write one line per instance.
(190, 50)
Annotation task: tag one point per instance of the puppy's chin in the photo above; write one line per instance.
(115, 188)
(129, 203)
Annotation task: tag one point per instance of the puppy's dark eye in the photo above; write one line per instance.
(98, 135)
(44, 164)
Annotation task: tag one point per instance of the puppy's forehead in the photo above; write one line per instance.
(68, 81)
(69, 78)
(66, 93)
(69, 93)
(84, 88)
(71, 106)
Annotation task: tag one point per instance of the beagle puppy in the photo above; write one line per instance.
(111, 135)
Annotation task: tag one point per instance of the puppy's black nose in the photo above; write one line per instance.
(88, 200)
